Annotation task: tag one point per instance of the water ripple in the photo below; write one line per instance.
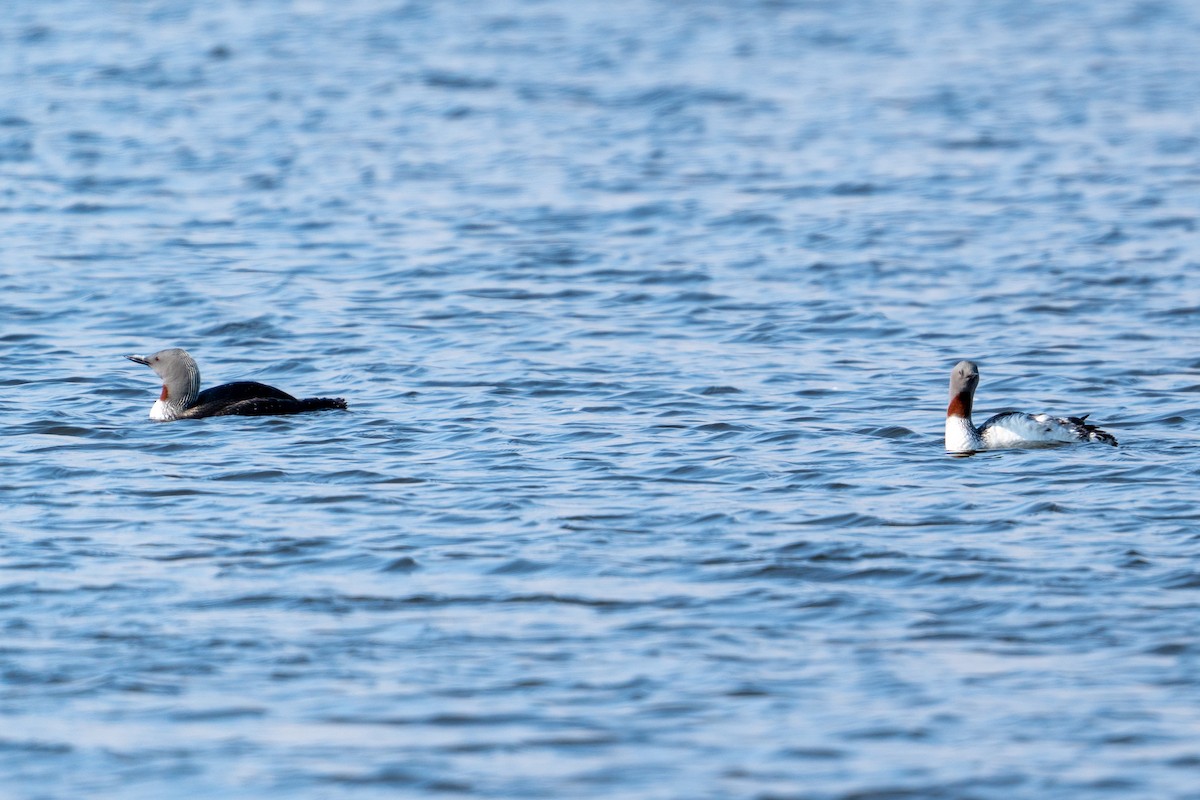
(644, 312)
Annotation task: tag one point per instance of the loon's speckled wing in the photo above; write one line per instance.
(252, 399)
(1018, 429)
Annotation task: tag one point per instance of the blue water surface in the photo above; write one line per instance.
(645, 312)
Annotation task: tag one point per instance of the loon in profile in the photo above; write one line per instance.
(1009, 428)
(181, 397)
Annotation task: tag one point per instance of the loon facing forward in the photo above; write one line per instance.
(181, 397)
(1009, 428)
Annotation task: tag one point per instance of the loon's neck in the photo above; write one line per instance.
(960, 405)
(179, 393)
(961, 433)
(165, 408)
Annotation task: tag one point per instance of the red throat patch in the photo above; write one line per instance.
(957, 408)
(163, 396)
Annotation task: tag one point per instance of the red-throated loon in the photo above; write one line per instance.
(181, 397)
(1009, 428)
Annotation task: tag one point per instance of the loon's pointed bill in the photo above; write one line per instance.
(181, 397)
(1008, 429)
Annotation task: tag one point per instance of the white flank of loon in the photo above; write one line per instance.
(181, 397)
(1010, 428)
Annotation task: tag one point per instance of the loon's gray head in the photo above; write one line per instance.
(180, 377)
(963, 380)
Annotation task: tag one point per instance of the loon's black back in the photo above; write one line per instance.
(253, 399)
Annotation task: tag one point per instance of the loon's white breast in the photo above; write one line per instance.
(160, 412)
(1010, 428)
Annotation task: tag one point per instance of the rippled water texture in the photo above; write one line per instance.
(645, 312)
